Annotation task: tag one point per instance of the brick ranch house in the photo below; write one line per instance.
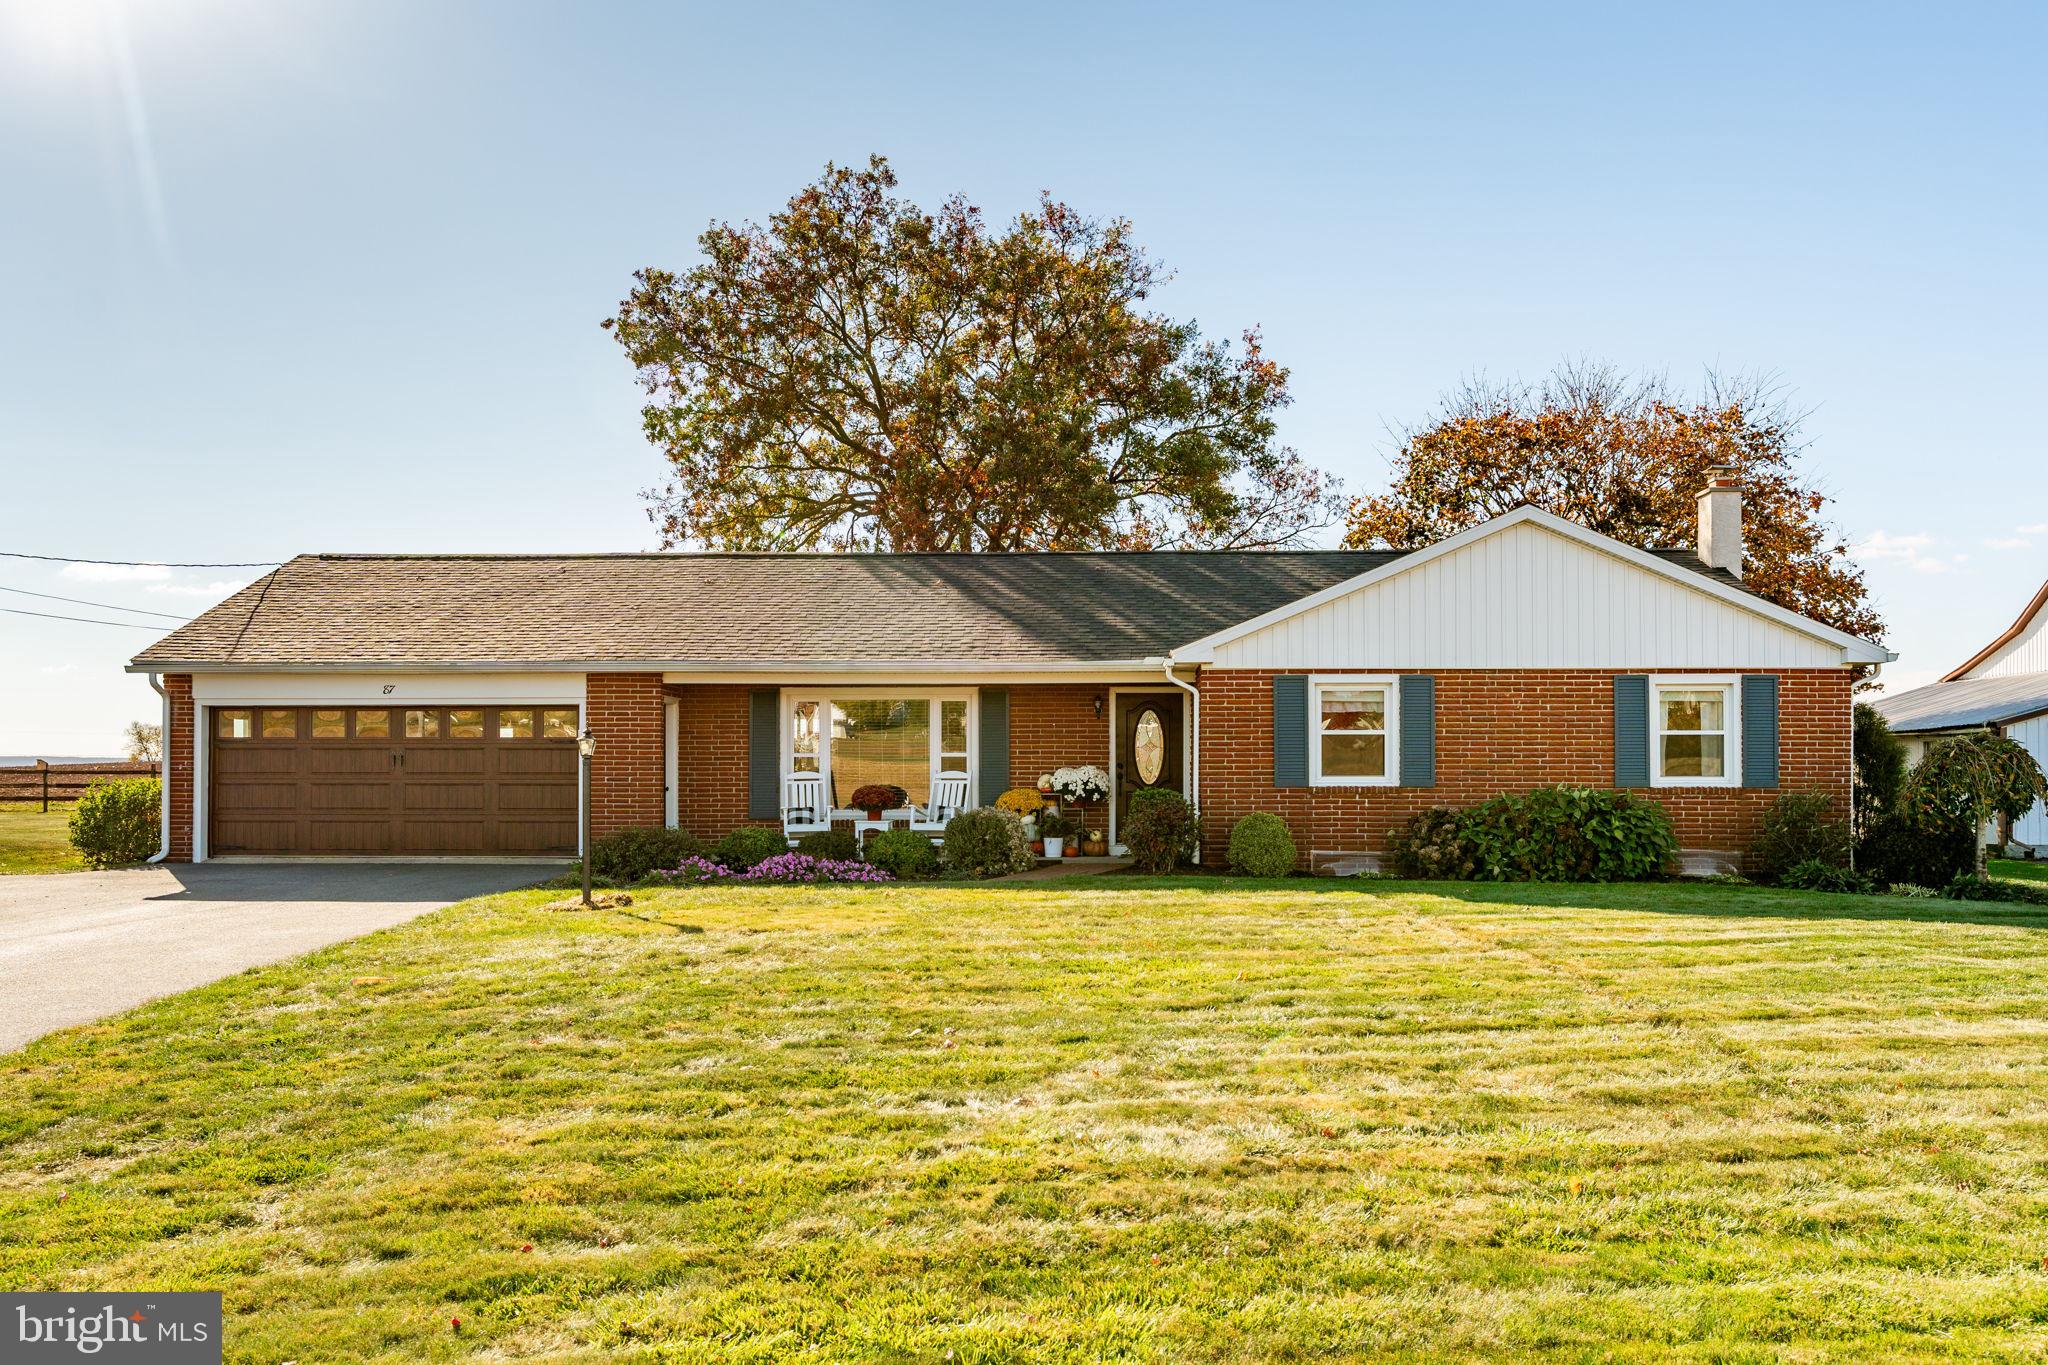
(379, 705)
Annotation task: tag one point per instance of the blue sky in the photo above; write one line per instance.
(291, 276)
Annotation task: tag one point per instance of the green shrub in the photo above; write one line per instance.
(1799, 827)
(1818, 874)
(749, 846)
(117, 822)
(1433, 844)
(1160, 830)
(1880, 768)
(1972, 886)
(1570, 834)
(1261, 846)
(837, 844)
(1900, 848)
(631, 855)
(986, 843)
(904, 854)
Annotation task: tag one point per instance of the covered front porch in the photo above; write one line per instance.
(808, 754)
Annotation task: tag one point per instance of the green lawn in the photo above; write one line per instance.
(34, 840)
(1105, 1119)
(2020, 870)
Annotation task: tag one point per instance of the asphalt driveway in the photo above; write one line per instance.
(79, 946)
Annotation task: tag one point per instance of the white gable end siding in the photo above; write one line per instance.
(1526, 598)
(2026, 654)
(2032, 828)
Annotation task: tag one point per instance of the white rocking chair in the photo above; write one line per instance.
(803, 806)
(949, 798)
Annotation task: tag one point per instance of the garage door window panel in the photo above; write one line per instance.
(559, 724)
(234, 724)
(515, 725)
(465, 724)
(373, 725)
(330, 725)
(280, 725)
(423, 725)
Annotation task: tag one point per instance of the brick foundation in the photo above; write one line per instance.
(1505, 731)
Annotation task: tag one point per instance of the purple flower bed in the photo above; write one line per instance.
(695, 871)
(802, 867)
(782, 869)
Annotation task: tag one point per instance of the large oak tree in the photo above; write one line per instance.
(1626, 458)
(860, 373)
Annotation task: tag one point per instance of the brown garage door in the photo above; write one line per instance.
(365, 780)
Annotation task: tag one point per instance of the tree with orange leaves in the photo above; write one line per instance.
(1625, 458)
(863, 374)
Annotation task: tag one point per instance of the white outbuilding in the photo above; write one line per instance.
(2004, 688)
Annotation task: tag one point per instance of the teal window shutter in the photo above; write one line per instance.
(1759, 730)
(994, 742)
(764, 754)
(1290, 730)
(1418, 730)
(1631, 730)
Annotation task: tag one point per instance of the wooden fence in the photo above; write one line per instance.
(46, 782)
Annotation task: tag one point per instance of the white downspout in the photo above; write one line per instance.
(1194, 741)
(163, 818)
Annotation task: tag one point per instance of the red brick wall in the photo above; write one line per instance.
(1051, 726)
(178, 764)
(625, 713)
(1504, 731)
(1055, 726)
(711, 758)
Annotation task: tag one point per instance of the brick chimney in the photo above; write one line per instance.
(1720, 511)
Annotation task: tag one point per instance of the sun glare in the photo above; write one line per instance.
(55, 33)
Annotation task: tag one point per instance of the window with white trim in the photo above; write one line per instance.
(902, 737)
(1352, 732)
(1694, 739)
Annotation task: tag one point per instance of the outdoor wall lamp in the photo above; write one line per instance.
(1098, 706)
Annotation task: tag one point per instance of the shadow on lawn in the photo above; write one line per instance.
(1704, 900)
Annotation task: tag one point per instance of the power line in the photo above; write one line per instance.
(142, 563)
(110, 606)
(52, 616)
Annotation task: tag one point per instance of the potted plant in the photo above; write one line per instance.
(876, 797)
(1022, 802)
(1081, 785)
(1094, 845)
(1056, 829)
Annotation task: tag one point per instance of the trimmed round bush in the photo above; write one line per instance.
(1161, 830)
(117, 822)
(1432, 845)
(836, 844)
(632, 855)
(1260, 846)
(986, 843)
(749, 846)
(904, 854)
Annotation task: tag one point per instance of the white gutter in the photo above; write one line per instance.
(163, 817)
(1194, 739)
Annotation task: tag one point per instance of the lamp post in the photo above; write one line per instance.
(586, 745)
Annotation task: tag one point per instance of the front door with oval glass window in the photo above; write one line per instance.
(1148, 747)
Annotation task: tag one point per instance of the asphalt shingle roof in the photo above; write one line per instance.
(1015, 609)
(1972, 701)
